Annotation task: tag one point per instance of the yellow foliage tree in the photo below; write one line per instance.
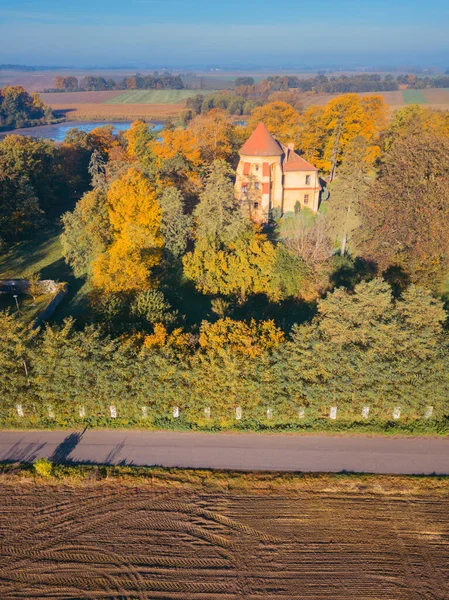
(312, 134)
(135, 217)
(248, 339)
(245, 267)
(327, 133)
(177, 143)
(280, 118)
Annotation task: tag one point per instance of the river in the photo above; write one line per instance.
(58, 131)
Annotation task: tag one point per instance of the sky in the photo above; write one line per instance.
(224, 33)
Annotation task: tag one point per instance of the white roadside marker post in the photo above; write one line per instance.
(333, 413)
(19, 409)
(429, 412)
(238, 413)
(113, 412)
(365, 412)
(397, 413)
(175, 412)
(207, 412)
(301, 413)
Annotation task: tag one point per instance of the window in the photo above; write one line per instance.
(307, 179)
(256, 185)
(306, 198)
(256, 167)
(256, 205)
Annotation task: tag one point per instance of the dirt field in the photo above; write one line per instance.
(105, 112)
(80, 97)
(104, 540)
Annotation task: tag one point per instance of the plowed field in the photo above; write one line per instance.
(115, 542)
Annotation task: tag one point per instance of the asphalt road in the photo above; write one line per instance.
(247, 452)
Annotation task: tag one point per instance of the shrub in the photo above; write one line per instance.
(43, 467)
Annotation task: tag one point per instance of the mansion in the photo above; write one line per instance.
(271, 175)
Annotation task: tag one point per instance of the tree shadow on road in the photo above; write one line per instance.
(28, 454)
(66, 447)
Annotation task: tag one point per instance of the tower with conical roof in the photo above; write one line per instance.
(272, 176)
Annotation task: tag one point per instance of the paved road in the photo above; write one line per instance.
(233, 451)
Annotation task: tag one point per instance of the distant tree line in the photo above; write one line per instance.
(342, 84)
(18, 108)
(200, 104)
(136, 82)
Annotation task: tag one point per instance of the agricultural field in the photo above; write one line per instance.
(155, 96)
(224, 539)
(120, 105)
(414, 97)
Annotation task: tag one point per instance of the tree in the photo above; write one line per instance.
(405, 217)
(87, 232)
(280, 118)
(247, 339)
(19, 209)
(218, 215)
(176, 227)
(243, 81)
(243, 267)
(355, 177)
(18, 108)
(213, 133)
(136, 248)
(15, 352)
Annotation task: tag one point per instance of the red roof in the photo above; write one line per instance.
(293, 162)
(261, 143)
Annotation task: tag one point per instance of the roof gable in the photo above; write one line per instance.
(261, 143)
(294, 162)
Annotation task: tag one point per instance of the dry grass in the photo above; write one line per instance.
(197, 535)
(99, 112)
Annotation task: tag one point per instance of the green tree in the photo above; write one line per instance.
(87, 232)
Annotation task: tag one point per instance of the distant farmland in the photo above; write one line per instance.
(414, 97)
(155, 96)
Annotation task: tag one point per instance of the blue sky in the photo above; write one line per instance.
(200, 32)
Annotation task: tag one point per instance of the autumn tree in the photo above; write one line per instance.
(213, 132)
(280, 118)
(405, 216)
(136, 247)
(327, 133)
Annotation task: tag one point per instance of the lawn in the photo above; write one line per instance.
(43, 254)
(155, 96)
(414, 97)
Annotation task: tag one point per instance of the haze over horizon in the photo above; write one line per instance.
(236, 33)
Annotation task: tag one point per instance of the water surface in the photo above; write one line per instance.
(58, 131)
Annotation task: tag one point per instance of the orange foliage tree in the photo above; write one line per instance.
(135, 217)
(213, 132)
